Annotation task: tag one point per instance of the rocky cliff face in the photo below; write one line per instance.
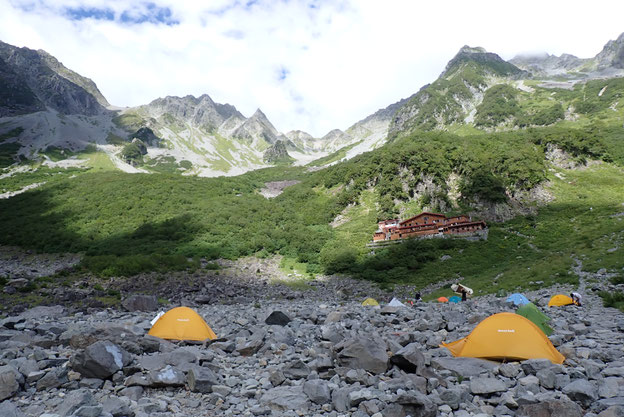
(277, 153)
(612, 55)
(257, 128)
(46, 79)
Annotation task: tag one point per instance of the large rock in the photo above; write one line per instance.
(9, 383)
(140, 303)
(296, 370)
(363, 353)
(285, 398)
(54, 378)
(486, 385)
(410, 359)
(581, 391)
(201, 379)
(117, 407)
(278, 318)
(613, 411)
(417, 404)
(168, 376)
(317, 390)
(100, 360)
(464, 367)
(8, 409)
(74, 400)
(550, 408)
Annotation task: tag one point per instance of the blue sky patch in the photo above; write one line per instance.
(151, 13)
(79, 13)
(282, 73)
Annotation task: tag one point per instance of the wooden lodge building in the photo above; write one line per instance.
(427, 225)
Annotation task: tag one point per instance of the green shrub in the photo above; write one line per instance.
(615, 299)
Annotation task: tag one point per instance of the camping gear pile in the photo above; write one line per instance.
(307, 357)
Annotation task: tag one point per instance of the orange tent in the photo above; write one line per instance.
(560, 300)
(182, 323)
(443, 300)
(506, 336)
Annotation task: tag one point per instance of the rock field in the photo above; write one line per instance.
(326, 355)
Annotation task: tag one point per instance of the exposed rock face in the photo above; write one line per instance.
(147, 136)
(276, 153)
(612, 55)
(257, 128)
(43, 81)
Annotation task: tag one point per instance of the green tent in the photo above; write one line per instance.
(531, 312)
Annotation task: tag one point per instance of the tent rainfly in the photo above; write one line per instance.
(506, 336)
(517, 299)
(531, 312)
(560, 300)
(182, 323)
(370, 302)
(454, 299)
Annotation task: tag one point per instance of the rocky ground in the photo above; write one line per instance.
(326, 355)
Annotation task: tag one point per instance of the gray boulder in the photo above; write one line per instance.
(100, 360)
(613, 411)
(201, 379)
(285, 398)
(54, 378)
(551, 408)
(531, 366)
(363, 353)
(486, 385)
(296, 370)
(278, 318)
(140, 302)
(9, 382)
(417, 404)
(117, 407)
(168, 376)
(581, 391)
(410, 359)
(464, 367)
(8, 409)
(317, 390)
(74, 400)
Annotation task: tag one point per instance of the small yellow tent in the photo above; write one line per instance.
(560, 300)
(506, 336)
(182, 323)
(370, 302)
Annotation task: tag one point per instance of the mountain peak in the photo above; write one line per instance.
(472, 50)
(258, 114)
(482, 58)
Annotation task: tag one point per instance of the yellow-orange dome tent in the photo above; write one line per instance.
(442, 300)
(506, 336)
(370, 302)
(560, 300)
(182, 323)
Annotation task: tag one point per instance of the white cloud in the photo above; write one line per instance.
(344, 58)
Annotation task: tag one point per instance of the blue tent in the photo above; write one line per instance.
(454, 299)
(518, 299)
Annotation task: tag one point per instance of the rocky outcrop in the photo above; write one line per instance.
(277, 153)
(256, 129)
(44, 82)
(147, 136)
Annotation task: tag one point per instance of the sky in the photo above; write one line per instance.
(312, 65)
